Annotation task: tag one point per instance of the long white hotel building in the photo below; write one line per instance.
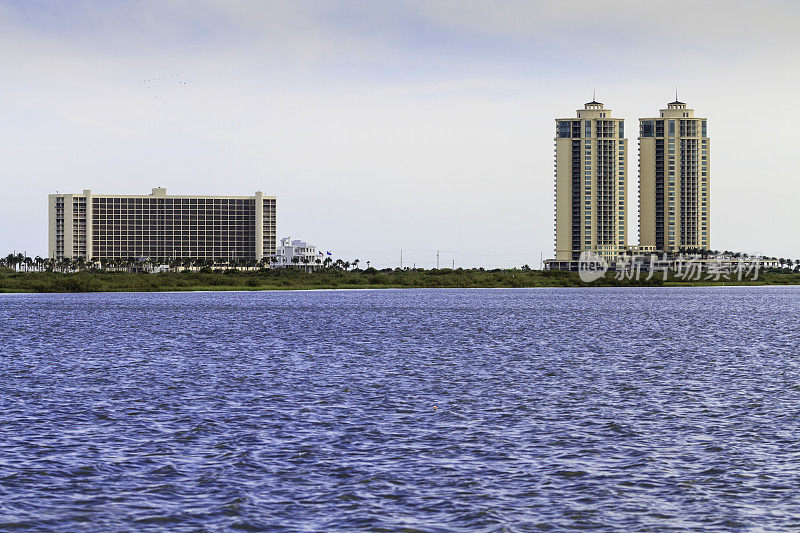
(107, 227)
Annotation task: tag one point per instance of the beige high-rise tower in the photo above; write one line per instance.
(591, 184)
(674, 180)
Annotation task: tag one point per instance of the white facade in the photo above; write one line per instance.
(161, 227)
(297, 253)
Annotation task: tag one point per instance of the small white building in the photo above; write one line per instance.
(298, 253)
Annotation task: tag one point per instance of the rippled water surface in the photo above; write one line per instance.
(430, 410)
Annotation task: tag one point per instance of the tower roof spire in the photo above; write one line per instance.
(594, 101)
(676, 98)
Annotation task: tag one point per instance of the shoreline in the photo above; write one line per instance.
(293, 280)
(355, 289)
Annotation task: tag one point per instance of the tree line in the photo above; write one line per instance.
(786, 264)
(22, 263)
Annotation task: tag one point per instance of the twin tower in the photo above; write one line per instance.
(592, 193)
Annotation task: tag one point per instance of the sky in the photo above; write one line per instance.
(381, 126)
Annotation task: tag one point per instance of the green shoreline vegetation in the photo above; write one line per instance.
(12, 281)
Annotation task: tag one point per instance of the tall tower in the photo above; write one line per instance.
(591, 184)
(674, 180)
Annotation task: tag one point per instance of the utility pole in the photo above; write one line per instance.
(401, 259)
(437, 259)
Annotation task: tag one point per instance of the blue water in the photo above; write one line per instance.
(419, 410)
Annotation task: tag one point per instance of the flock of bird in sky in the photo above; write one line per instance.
(147, 83)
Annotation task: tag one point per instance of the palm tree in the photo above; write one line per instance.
(355, 264)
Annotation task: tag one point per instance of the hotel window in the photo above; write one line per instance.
(672, 128)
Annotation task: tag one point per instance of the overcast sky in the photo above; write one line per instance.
(383, 126)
